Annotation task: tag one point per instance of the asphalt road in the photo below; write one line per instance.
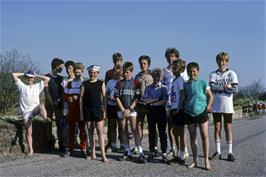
(249, 148)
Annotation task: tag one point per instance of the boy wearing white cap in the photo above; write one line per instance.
(29, 101)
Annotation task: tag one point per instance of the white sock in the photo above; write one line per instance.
(218, 146)
(230, 147)
(182, 155)
(140, 151)
(186, 151)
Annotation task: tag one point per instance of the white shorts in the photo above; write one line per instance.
(29, 115)
(120, 114)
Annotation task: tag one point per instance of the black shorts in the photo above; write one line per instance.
(178, 119)
(217, 117)
(93, 114)
(199, 119)
(112, 111)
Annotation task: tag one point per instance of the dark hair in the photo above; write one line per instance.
(128, 66)
(170, 51)
(56, 62)
(156, 72)
(69, 63)
(180, 64)
(117, 56)
(192, 65)
(222, 56)
(145, 57)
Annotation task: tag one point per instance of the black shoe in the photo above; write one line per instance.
(125, 157)
(65, 154)
(165, 159)
(83, 154)
(230, 157)
(141, 159)
(156, 153)
(216, 156)
(151, 157)
(181, 161)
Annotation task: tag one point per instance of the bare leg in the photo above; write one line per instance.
(192, 128)
(91, 138)
(100, 132)
(28, 127)
(205, 143)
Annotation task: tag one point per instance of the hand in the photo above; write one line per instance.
(126, 113)
(75, 97)
(70, 99)
(48, 120)
(227, 86)
(209, 109)
(81, 117)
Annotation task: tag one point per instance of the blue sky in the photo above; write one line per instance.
(91, 31)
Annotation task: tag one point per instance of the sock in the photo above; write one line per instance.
(164, 154)
(182, 155)
(230, 146)
(218, 146)
(140, 151)
(186, 151)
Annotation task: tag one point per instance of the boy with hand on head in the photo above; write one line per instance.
(127, 95)
(224, 84)
(29, 101)
(197, 104)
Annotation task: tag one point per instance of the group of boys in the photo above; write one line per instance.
(174, 96)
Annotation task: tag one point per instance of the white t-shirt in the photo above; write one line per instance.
(177, 86)
(29, 96)
(168, 78)
(223, 101)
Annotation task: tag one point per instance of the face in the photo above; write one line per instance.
(128, 74)
(59, 68)
(172, 57)
(70, 70)
(118, 62)
(78, 73)
(144, 65)
(222, 64)
(93, 74)
(157, 78)
(29, 80)
(193, 73)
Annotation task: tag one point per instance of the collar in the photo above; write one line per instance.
(218, 71)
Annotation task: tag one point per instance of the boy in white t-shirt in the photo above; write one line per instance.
(29, 101)
(224, 84)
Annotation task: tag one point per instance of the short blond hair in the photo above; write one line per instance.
(222, 56)
(79, 66)
(180, 64)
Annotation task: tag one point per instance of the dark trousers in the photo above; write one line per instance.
(157, 116)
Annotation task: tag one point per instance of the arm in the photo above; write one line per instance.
(16, 76)
(216, 88)
(231, 88)
(44, 78)
(210, 100)
(104, 99)
(81, 103)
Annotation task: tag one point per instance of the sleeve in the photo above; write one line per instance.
(180, 84)
(234, 78)
(146, 93)
(206, 86)
(215, 87)
(117, 89)
(41, 86)
(19, 84)
(165, 95)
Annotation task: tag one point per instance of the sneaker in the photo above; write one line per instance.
(141, 159)
(156, 153)
(66, 154)
(181, 161)
(134, 150)
(171, 154)
(186, 155)
(151, 158)
(165, 159)
(125, 157)
(108, 149)
(216, 156)
(230, 157)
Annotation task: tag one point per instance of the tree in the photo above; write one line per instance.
(253, 91)
(12, 61)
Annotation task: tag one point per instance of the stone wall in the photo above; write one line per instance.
(13, 139)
